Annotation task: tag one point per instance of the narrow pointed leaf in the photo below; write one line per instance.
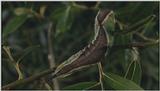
(26, 51)
(139, 24)
(80, 86)
(14, 24)
(120, 83)
(134, 71)
(65, 20)
(96, 86)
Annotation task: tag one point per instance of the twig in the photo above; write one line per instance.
(29, 79)
(15, 64)
(139, 45)
(145, 38)
(46, 84)
(51, 57)
(137, 26)
(142, 22)
(100, 75)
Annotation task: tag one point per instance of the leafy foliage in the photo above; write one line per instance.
(25, 24)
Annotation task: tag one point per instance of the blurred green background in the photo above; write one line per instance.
(25, 30)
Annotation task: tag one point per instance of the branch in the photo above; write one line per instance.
(136, 27)
(51, 57)
(139, 45)
(100, 69)
(15, 64)
(29, 79)
(145, 38)
(49, 71)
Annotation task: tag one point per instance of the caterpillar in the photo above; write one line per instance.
(93, 52)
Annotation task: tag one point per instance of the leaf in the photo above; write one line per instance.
(26, 51)
(80, 86)
(139, 24)
(120, 83)
(65, 21)
(134, 71)
(122, 53)
(149, 26)
(110, 28)
(14, 24)
(96, 86)
(142, 22)
(64, 17)
(125, 14)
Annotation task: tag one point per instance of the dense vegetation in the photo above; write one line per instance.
(28, 40)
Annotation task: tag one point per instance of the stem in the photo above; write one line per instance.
(139, 45)
(137, 26)
(46, 84)
(100, 75)
(29, 79)
(16, 65)
(142, 22)
(51, 57)
(145, 38)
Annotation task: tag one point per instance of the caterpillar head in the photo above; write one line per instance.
(106, 19)
(102, 16)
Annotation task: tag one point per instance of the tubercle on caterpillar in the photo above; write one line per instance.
(92, 53)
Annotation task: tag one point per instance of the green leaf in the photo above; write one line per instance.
(96, 86)
(121, 52)
(134, 71)
(14, 24)
(80, 86)
(64, 16)
(110, 28)
(65, 20)
(141, 23)
(26, 51)
(125, 14)
(120, 83)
